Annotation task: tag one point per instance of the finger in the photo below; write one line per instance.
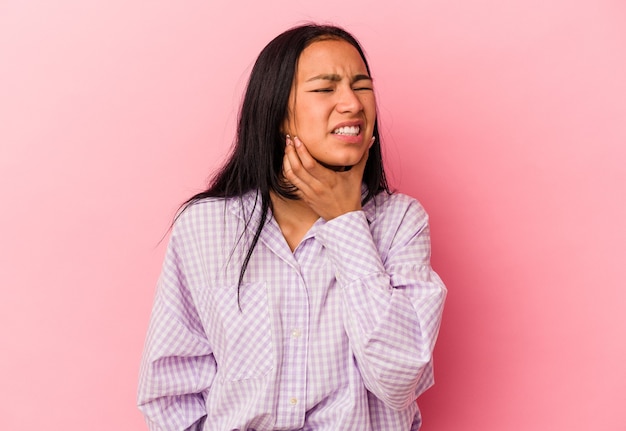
(302, 163)
(307, 161)
(292, 168)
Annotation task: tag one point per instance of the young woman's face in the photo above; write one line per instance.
(332, 108)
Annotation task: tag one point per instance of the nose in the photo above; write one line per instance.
(348, 101)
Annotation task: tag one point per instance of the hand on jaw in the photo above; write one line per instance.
(328, 192)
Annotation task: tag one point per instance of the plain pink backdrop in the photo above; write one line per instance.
(506, 119)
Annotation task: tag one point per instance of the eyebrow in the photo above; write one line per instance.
(336, 78)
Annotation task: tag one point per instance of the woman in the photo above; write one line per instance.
(296, 291)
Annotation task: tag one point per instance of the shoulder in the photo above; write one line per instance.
(217, 216)
(396, 221)
(387, 206)
(200, 212)
(205, 218)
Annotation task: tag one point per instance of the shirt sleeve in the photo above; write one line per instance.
(393, 308)
(177, 366)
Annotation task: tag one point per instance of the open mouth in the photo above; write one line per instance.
(347, 131)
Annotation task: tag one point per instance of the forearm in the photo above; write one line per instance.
(392, 309)
(177, 363)
(176, 368)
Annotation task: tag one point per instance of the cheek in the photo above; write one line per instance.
(370, 107)
(310, 121)
(289, 126)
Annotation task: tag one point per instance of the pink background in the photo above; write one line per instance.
(506, 119)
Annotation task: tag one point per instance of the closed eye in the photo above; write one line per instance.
(322, 90)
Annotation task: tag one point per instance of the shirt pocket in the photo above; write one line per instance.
(248, 349)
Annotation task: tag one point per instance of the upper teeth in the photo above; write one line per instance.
(347, 130)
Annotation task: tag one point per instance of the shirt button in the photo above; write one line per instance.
(293, 401)
(296, 333)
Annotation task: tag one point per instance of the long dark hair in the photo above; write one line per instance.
(255, 162)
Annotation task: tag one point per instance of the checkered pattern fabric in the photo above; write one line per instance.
(336, 335)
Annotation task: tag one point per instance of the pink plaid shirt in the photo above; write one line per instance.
(337, 335)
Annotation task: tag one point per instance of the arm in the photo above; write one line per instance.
(393, 309)
(177, 364)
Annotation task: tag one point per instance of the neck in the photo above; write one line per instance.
(294, 217)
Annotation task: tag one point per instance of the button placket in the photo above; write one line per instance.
(296, 315)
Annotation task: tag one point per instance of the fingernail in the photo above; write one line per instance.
(373, 139)
(288, 140)
(297, 141)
